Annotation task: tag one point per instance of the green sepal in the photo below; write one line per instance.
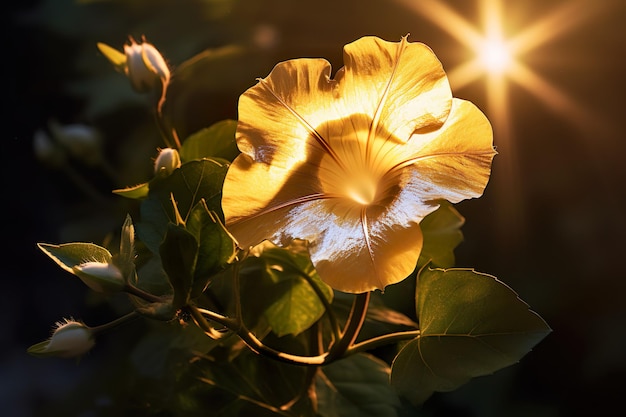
(215, 141)
(40, 350)
(69, 255)
(136, 192)
(217, 247)
(117, 58)
(179, 252)
(471, 325)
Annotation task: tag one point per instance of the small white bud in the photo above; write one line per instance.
(70, 339)
(46, 150)
(83, 142)
(100, 276)
(167, 161)
(145, 66)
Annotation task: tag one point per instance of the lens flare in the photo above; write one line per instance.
(499, 60)
(495, 56)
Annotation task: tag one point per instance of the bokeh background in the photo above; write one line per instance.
(551, 223)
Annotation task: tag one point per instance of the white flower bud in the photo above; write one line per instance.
(70, 339)
(167, 161)
(83, 142)
(46, 150)
(100, 276)
(145, 67)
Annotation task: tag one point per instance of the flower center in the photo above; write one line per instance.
(362, 190)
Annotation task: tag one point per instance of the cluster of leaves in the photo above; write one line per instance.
(224, 319)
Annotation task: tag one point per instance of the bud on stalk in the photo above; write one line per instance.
(70, 339)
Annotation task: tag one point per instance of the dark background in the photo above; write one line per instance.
(551, 223)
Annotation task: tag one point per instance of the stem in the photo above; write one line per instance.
(161, 122)
(137, 292)
(237, 293)
(256, 345)
(353, 326)
(117, 322)
(230, 323)
(345, 341)
(201, 322)
(382, 340)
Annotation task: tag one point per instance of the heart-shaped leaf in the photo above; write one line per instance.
(471, 325)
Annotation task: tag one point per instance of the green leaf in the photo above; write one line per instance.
(216, 141)
(179, 252)
(137, 192)
(442, 234)
(192, 182)
(357, 386)
(295, 301)
(250, 378)
(152, 278)
(217, 248)
(471, 325)
(69, 255)
(165, 342)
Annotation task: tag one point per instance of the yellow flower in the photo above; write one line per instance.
(353, 163)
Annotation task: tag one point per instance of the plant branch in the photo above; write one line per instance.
(115, 323)
(137, 292)
(201, 322)
(256, 345)
(353, 326)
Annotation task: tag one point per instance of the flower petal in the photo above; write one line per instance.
(401, 86)
(279, 115)
(257, 196)
(369, 254)
(353, 250)
(454, 162)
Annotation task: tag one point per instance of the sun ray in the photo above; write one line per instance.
(465, 74)
(446, 19)
(554, 98)
(569, 16)
(499, 61)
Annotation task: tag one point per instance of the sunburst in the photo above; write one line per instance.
(498, 59)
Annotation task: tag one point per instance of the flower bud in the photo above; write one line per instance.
(82, 141)
(145, 67)
(100, 276)
(167, 161)
(47, 151)
(70, 339)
